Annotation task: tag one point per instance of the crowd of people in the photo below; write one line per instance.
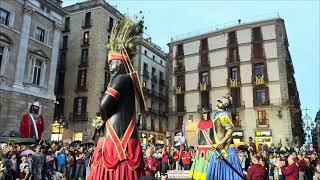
(59, 160)
(53, 162)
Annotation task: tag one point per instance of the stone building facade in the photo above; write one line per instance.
(151, 63)
(82, 72)
(29, 42)
(251, 62)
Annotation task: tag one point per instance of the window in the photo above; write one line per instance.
(261, 97)
(204, 44)
(204, 58)
(67, 24)
(84, 57)
(145, 52)
(179, 123)
(59, 108)
(62, 63)
(205, 77)
(143, 123)
(161, 75)
(1, 56)
(82, 79)
(152, 125)
(80, 106)
(257, 51)
(160, 126)
(4, 17)
(110, 24)
(180, 103)
(65, 42)
(145, 67)
(86, 37)
(233, 54)
(60, 85)
(232, 38)
(161, 62)
(262, 117)
(180, 80)
(259, 70)
(37, 70)
(180, 50)
(87, 21)
(153, 57)
(40, 34)
(153, 71)
(236, 99)
(205, 99)
(256, 34)
(234, 73)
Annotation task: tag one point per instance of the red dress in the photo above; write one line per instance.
(151, 166)
(256, 172)
(291, 172)
(186, 158)
(26, 128)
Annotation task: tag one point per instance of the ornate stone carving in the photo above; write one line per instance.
(28, 10)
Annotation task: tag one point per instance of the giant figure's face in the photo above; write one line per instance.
(205, 116)
(114, 66)
(34, 109)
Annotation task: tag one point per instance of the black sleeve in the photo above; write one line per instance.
(112, 96)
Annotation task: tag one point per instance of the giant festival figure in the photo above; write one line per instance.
(32, 123)
(203, 154)
(118, 154)
(224, 162)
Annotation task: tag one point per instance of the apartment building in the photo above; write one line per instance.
(251, 62)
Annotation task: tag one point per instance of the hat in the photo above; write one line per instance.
(204, 110)
(36, 104)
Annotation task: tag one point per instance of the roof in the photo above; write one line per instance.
(222, 30)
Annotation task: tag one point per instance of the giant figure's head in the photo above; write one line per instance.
(224, 102)
(34, 108)
(205, 114)
(116, 63)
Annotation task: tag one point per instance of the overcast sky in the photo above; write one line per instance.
(170, 19)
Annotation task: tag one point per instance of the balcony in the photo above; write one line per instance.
(262, 123)
(179, 90)
(233, 83)
(87, 24)
(146, 74)
(80, 88)
(179, 69)
(258, 80)
(204, 86)
(200, 107)
(179, 55)
(265, 103)
(204, 66)
(73, 116)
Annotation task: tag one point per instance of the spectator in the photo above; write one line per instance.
(80, 158)
(26, 173)
(70, 166)
(152, 164)
(176, 158)
(49, 162)
(2, 170)
(164, 162)
(256, 171)
(61, 160)
(24, 163)
(38, 161)
(292, 171)
(13, 166)
(186, 160)
(316, 175)
(312, 150)
(302, 166)
(252, 145)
